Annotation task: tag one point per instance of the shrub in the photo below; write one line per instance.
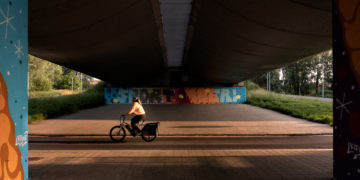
(43, 108)
(41, 83)
(251, 86)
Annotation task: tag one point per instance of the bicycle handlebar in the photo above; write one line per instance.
(122, 117)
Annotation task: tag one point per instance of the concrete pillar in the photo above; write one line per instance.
(13, 89)
(346, 51)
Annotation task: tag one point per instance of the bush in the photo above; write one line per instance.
(43, 108)
(69, 82)
(41, 83)
(251, 86)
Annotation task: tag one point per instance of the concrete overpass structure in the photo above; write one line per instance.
(178, 42)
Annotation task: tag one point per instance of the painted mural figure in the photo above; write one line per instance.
(10, 157)
(139, 112)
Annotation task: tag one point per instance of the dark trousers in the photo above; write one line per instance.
(135, 120)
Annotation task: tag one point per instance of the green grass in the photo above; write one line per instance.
(43, 108)
(313, 110)
(52, 93)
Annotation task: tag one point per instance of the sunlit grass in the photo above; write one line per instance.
(52, 93)
(313, 110)
(49, 107)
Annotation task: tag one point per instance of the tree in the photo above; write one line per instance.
(303, 77)
(43, 74)
(327, 59)
(296, 77)
(322, 67)
(317, 71)
(70, 81)
(276, 85)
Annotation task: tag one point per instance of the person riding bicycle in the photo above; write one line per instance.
(139, 112)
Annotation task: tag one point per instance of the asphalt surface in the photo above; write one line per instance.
(169, 143)
(195, 157)
(184, 119)
(195, 142)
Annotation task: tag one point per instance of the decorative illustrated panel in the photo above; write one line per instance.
(346, 43)
(13, 89)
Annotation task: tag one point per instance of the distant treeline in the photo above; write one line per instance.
(45, 76)
(304, 77)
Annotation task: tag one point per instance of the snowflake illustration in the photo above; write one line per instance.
(18, 51)
(342, 105)
(7, 20)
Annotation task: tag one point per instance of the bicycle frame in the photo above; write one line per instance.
(124, 124)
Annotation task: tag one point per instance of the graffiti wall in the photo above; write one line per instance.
(346, 43)
(13, 90)
(202, 95)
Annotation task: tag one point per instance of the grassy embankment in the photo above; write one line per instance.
(49, 107)
(52, 93)
(313, 110)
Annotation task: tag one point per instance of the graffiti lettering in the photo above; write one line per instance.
(231, 95)
(175, 96)
(168, 93)
(21, 140)
(354, 149)
(149, 95)
(203, 95)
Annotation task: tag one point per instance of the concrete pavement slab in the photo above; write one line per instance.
(265, 157)
(224, 119)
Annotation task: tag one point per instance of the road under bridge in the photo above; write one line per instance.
(163, 43)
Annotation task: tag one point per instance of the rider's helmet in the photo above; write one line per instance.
(135, 99)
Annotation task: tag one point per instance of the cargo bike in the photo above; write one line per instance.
(148, 133)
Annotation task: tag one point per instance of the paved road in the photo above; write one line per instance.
(196, 142)
(190, 119)
(194, 157)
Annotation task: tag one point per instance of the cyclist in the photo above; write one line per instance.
(139, 112)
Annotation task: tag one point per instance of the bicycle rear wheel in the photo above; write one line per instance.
(117, 134)
(148, 137)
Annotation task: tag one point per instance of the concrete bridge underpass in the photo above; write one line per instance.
(178, 42)
(167, 43)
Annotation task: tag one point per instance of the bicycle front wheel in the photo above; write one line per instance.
(117, 133)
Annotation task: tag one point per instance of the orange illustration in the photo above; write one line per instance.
(10, 157)
(202, 96)
(349, 11)
(174, 96)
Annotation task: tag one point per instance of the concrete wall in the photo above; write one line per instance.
(203, 95)
(346, 43)
(13, 90)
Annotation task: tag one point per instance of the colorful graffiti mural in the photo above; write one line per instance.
(202, 95)
(13, 90)
(10, 157)
(346, 43)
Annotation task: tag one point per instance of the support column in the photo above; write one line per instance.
(346, 51)
(13, 89)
